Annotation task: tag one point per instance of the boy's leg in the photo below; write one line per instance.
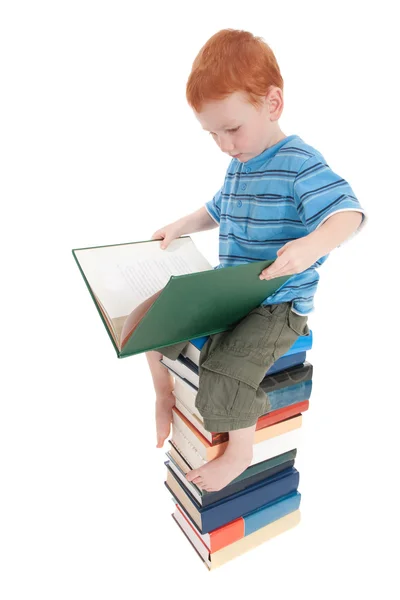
(163, 385)
(232, 366)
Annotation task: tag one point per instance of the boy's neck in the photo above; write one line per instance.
(275, 135)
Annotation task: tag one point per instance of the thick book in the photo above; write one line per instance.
(149, 298)
(207, 498)
(208, 452)
(261, 451)
(219, 558)
(193, 348)
(276, 416)
(252, 474)
(189, 372)
(283, 396)
(243, 526)
(287, 361)
(211, 517)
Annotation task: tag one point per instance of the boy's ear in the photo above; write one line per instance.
(274, 100)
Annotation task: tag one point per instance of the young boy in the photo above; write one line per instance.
(280, 200)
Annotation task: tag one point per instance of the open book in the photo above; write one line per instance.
(149, 298)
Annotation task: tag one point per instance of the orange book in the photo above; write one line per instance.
(221, 537)
(207, 451)
(282, 413)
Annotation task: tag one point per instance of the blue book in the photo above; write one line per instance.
(193, 348)
(253, 474)
(290, 395)
(211, 517)
(284, 388)
(271, 512)
(189, 372)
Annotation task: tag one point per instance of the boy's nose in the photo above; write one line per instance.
(226, 144)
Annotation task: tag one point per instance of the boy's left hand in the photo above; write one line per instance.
(294, 257)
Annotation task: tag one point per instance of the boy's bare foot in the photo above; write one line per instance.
(238, 455)
(164, 404)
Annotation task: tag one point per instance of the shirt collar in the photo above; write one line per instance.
(257, 161)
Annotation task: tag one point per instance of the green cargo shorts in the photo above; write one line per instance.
(233, 364)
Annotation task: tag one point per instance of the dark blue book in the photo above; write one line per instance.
(253, 474)
(189, 372)
(287, 378)
(210, 517)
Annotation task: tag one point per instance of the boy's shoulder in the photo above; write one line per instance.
(297, 152)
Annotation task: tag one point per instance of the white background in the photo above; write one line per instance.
(99, 147)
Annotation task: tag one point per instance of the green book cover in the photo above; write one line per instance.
(146, 299)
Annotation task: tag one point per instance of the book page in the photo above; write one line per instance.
(123, 276)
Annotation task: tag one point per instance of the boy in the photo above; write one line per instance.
(279, 200)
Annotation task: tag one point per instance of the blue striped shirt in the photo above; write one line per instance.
(283, 194)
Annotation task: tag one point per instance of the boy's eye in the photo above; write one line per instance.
(234, 130)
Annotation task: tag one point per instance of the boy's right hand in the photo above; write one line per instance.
(166, 234)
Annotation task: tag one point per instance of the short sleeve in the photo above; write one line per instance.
(319, 193)
(213, 207)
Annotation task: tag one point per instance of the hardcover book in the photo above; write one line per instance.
(239, 547)
(189, 372)
(285, 402)
(243, 526)
(211, 517)
(252, 474)
(193, 348)
(261, 451)
(276, 465)
(149, 298)
(209, 452)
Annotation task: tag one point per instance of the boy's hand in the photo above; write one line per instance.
(294, 257)
(298, 255)
(166, 234)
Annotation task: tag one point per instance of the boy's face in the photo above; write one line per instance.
(238, 127)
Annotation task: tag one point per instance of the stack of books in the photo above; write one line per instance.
(144, 297)
(264, 500)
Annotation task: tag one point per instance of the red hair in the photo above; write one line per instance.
(232, 61)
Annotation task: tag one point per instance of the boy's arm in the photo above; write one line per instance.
(298, 255)
(328, 209)
(199, 220)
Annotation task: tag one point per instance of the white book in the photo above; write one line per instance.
(184, 371)
(186, 393)
(192, 352)
(261, 451)
(193, 489)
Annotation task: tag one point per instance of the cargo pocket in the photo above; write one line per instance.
(298, 323)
